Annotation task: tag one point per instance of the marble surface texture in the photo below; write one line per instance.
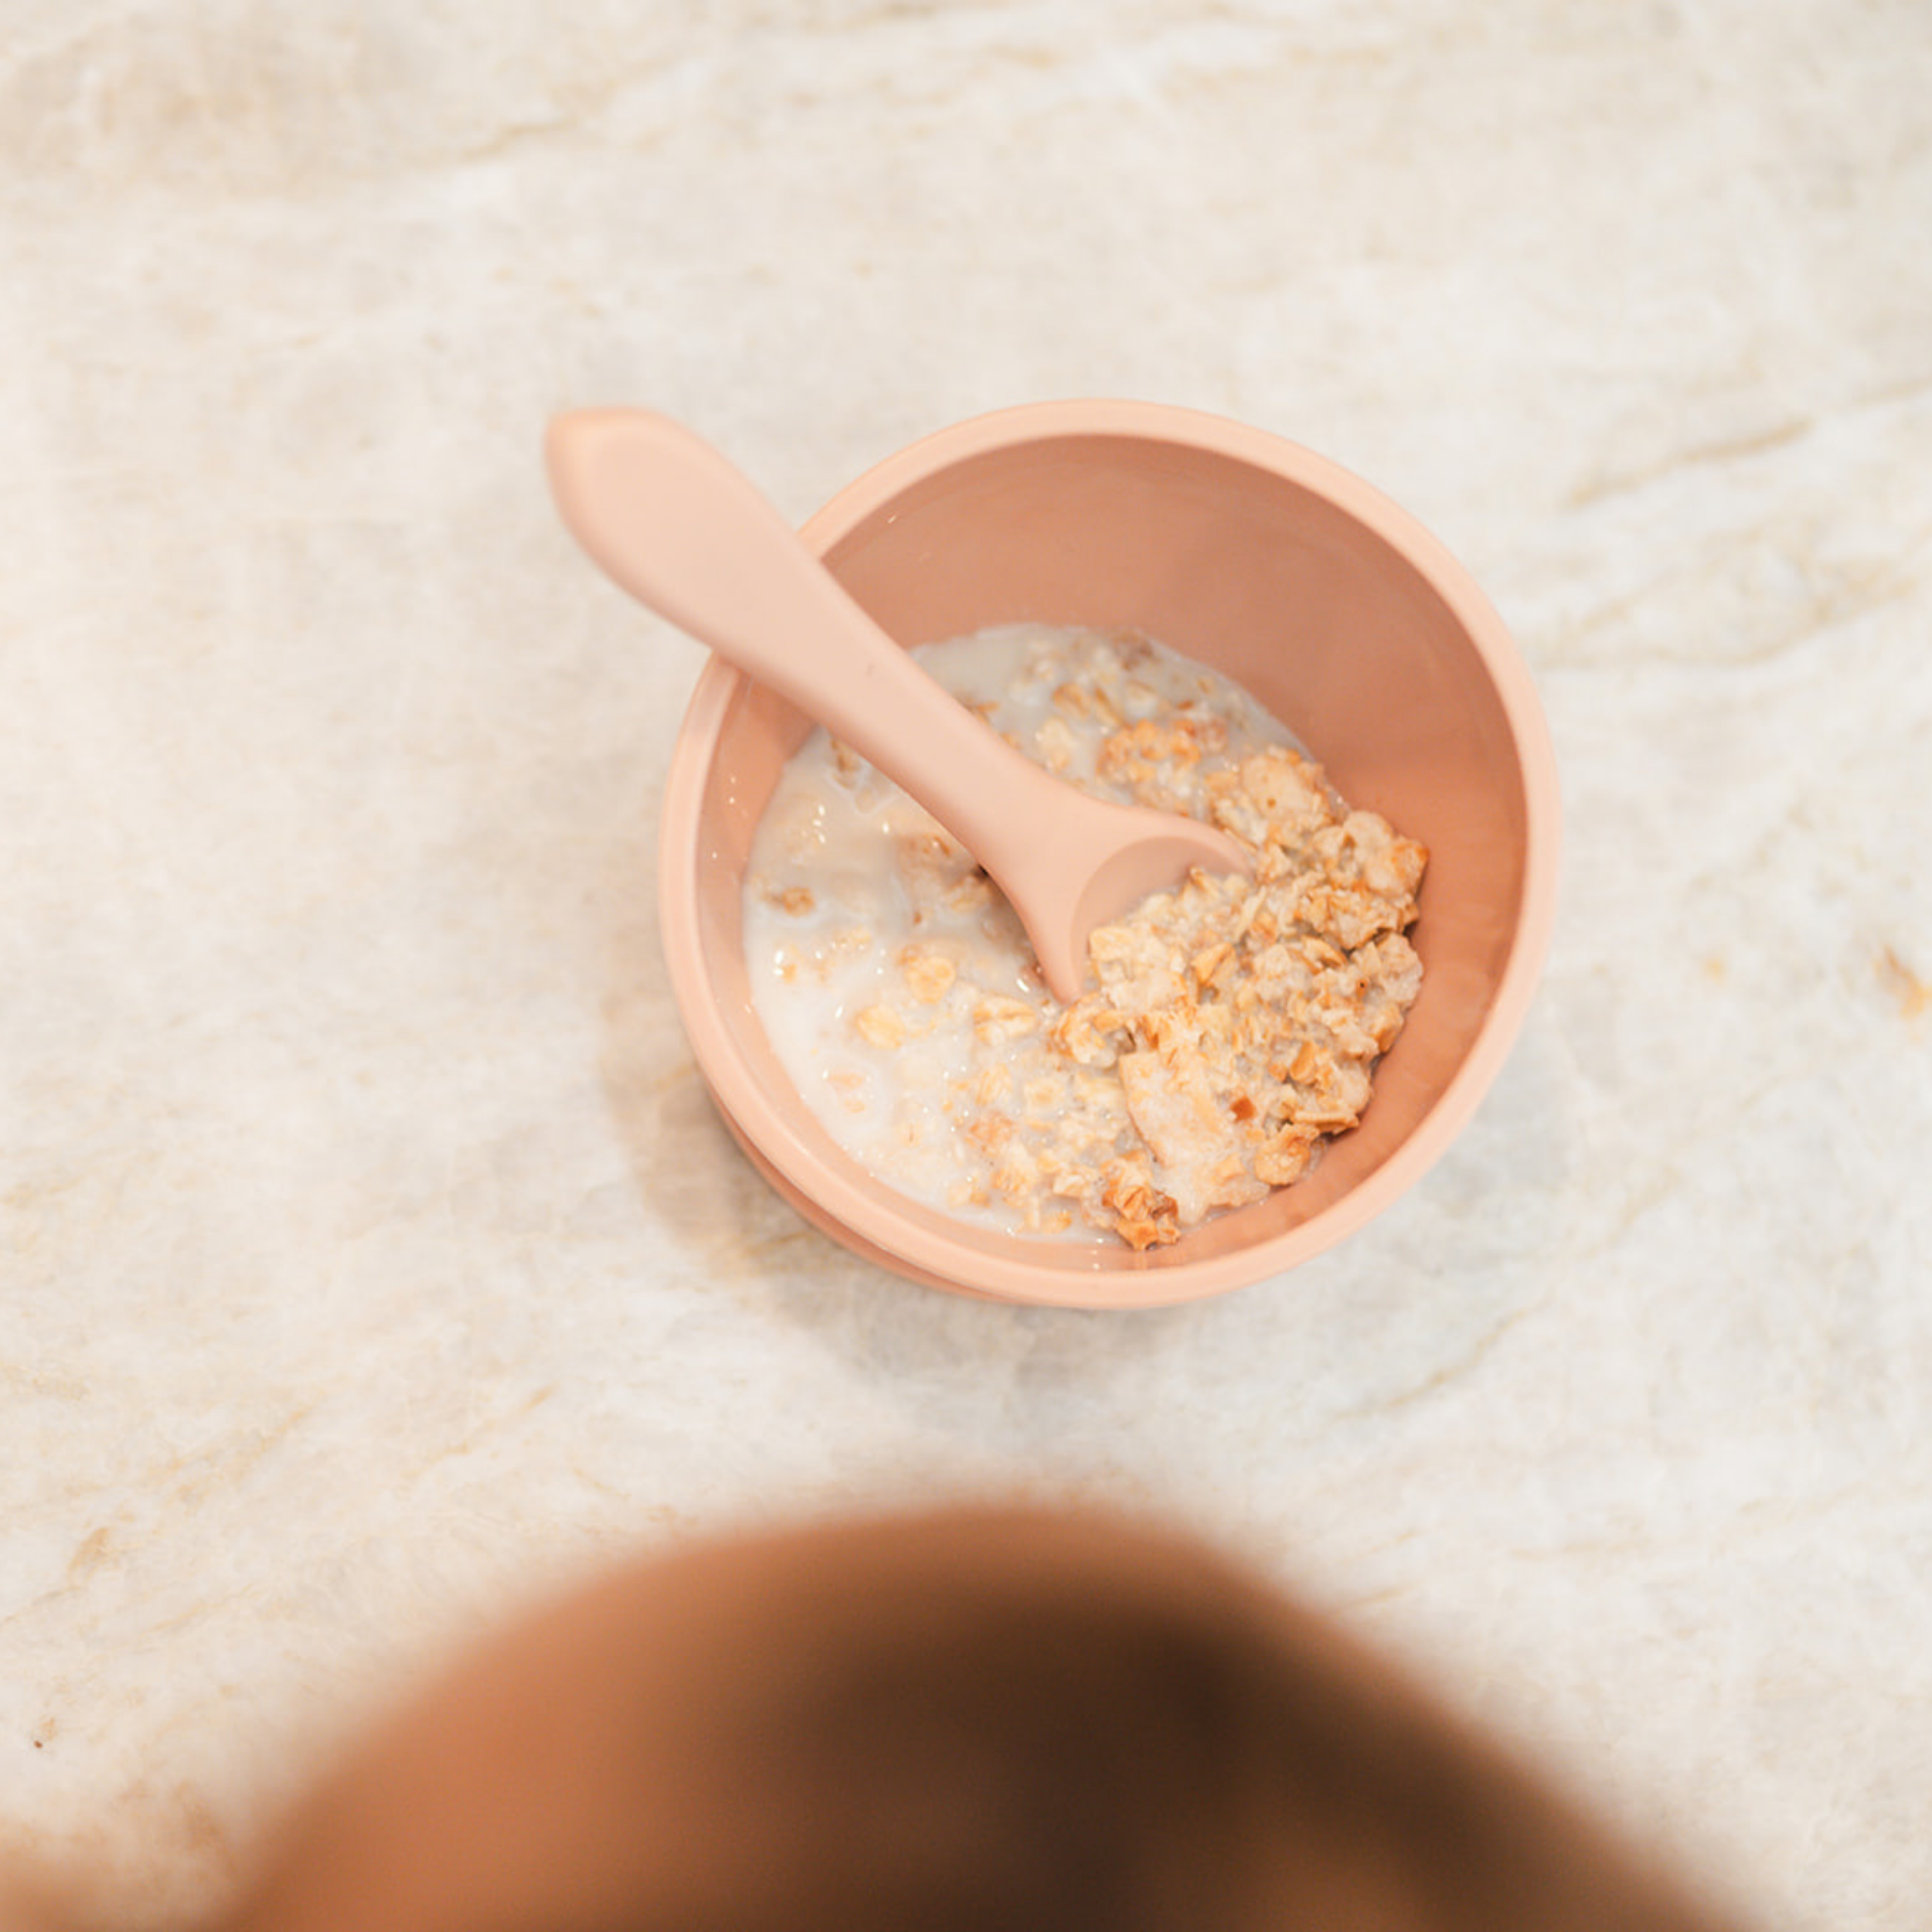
(369, 1254)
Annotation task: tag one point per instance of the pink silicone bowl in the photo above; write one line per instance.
(1332, 606)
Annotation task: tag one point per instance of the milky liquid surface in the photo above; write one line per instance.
(895, 984)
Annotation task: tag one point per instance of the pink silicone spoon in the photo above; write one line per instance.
(667, 518)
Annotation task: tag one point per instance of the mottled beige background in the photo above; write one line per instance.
(370, 1254)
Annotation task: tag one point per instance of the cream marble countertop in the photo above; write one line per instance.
(370, 1253)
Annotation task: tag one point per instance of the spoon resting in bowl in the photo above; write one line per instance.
(671, 521)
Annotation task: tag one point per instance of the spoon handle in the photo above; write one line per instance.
(670, 519)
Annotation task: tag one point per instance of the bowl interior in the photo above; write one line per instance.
(1340, 614)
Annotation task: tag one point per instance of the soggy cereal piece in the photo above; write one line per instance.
(939, 873)
(879, 1025)
(1043, 1094)
(1090, 1031)
(1157, 760)
(1140, 968)
(1133, 754)
(1212, 965)
(990, 1132)
(1193, 1137)
(998, 1017)
(1366, 877)
(992, 1085)
(1392, 971)
(1017, 1171)
(1275, 799)
(929, 975)
(1143, 1215)
(1055, 744)
(847, 943)
(850, 1087)
(1287, 1154)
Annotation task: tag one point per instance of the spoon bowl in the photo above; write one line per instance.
(667, 517)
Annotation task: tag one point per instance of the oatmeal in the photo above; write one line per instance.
(1229, 1028)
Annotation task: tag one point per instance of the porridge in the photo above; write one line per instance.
(1228, 1028)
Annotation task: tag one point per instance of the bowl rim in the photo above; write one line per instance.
(875, 1213)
